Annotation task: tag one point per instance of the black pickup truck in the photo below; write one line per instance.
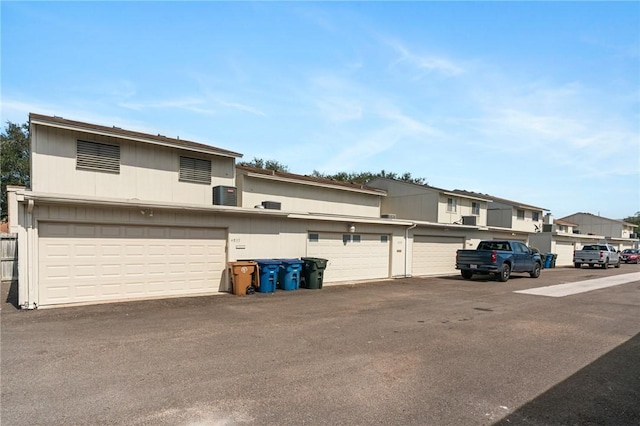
(499, 258)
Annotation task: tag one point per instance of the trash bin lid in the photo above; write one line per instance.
(317, 261)
(268, 261)
(243, 263)
(291, 261)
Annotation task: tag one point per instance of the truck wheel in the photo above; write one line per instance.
(577, 265)
(536, 271)
(466, 274)
(505, 273)
(605, 265)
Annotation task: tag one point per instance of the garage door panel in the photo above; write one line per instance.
(565, 254)
(80, 263)
(350, 259)
(435, 255)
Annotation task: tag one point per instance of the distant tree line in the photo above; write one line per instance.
(357, 177)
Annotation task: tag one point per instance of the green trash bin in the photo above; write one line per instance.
(313, 271)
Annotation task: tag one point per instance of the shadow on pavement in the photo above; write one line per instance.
(606, 392)
(9, 292)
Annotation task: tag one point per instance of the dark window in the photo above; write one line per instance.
(98, 156)
(195, 170)
(384, 239)
(356, 238)
(346, 238)
(535, 216)
(313, 238)
(520, 214)
(452, 205)
(475, 208)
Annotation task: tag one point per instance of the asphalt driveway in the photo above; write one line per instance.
(416, 351)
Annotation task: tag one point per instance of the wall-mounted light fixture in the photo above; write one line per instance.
(352, 228)
(146, 212)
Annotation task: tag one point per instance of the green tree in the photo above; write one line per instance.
(633, 219)
(259, 163)
(364, 177)
(14, 160)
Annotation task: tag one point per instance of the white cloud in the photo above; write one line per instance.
(241, 107)
(424, 63)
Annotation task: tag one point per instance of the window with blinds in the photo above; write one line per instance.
(195, 170)
(98, 156)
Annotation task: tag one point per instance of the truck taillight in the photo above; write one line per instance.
(494, 257)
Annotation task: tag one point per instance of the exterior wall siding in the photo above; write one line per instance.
(307, 198)
(464, 207)
(147, 172)
(590, 224)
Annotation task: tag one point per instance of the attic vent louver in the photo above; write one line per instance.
(98, 156)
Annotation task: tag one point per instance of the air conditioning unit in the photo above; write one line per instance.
(576, 231)
(225, 196)
(271, 205)
(388, 216)
(469, 220)
(633, 236)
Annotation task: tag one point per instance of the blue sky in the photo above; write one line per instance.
(537, 102)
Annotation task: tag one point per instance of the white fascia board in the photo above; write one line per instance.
(317, 184)
(118, 135)
(353, 219)
(447, 225)
(133, 202)
(469, 197)
(512, 231)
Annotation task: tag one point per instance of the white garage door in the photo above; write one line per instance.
(87, 262)
(434, 255)
(351, 256)
(565, 254)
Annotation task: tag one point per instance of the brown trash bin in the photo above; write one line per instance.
(242, 276)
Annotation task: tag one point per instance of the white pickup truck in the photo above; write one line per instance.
(596, 254)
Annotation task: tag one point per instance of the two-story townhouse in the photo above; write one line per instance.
(114, 214)
(445, 221)
(427, 203)
(511, 216)
(589, 223)
(562, 236)
(342, 220)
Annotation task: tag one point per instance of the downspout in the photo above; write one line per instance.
(30, 300)
(406, 246)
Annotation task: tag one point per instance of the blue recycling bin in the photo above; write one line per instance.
(289, 274)
(268, 271)
(547, 260)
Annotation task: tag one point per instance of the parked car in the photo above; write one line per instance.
(602, 255)
(499, 258)
(630, 256)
